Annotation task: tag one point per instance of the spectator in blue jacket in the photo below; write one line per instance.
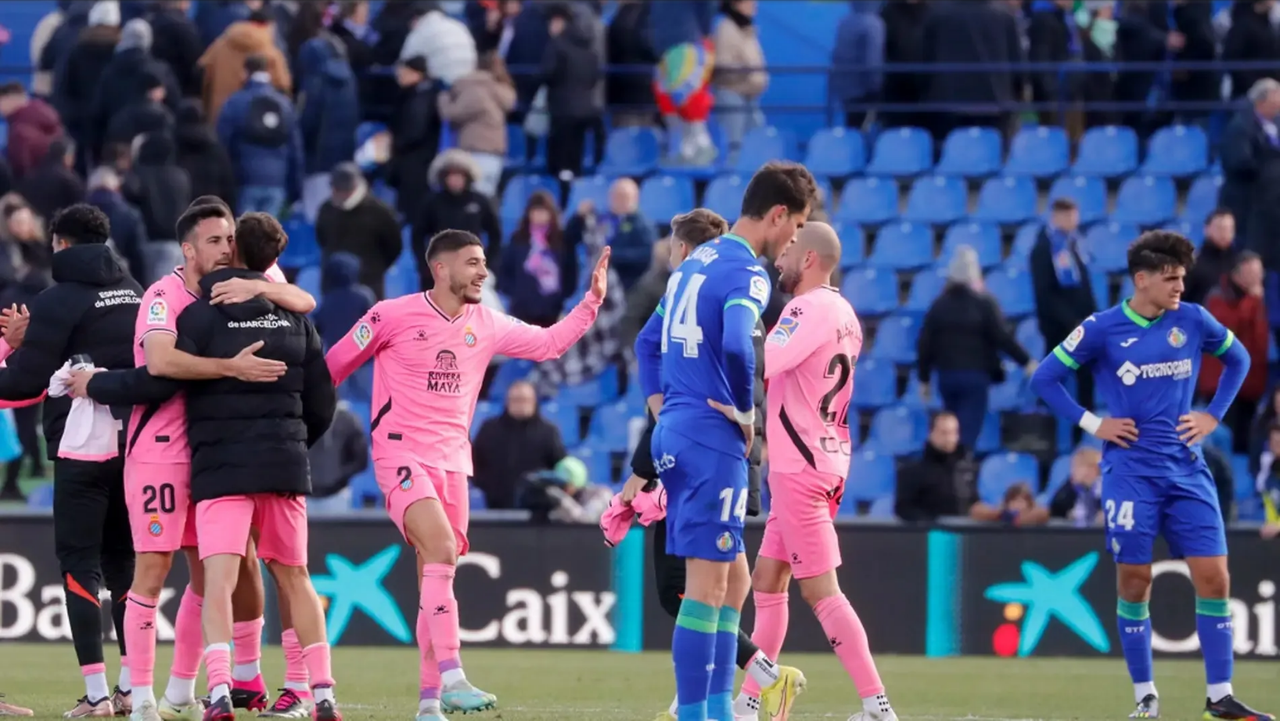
(128, 230)
(259, 128)
(345, 299)
(857, 58)
(329, 112)
(621, 226)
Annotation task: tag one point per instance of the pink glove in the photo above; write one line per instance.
(616, 521)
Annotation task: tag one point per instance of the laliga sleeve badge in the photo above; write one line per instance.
(759, 289)
(1074, 339)
(362, 335)
(157, 312)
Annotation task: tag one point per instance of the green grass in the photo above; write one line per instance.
(378, 684)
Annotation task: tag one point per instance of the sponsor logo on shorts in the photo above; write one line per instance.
(157, 312)
(469, 337)
(724, 542)
(362, 334)
(665, 463)
(154, 527)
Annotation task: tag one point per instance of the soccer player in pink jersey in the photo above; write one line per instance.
(809, 359)
(431, 350)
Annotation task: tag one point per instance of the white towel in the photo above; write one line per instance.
(91, 432)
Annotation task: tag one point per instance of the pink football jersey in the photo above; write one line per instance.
(428, 368)
(164, 433)
(809, 358)
(275, 275)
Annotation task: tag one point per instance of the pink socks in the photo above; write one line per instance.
(295, 666)
(441, 611)
(140, 637)
(217, 661)
(188, 640)
(772, 616)
(428, 670)
(316, 658)
(849, 640)
(247, 636)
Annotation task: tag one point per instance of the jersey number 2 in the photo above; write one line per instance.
(839, 367)
(1122, 516)
(729, 508)
(680, 322)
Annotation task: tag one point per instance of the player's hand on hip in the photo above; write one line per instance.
(748, 429)
(1196, 426)
(1120, 431)
(600, 277)
(235, 290)
(632, 488)
(250, 368)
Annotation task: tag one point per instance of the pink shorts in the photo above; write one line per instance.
(158, 496)
(405, 480)
(281, 522)
(801, 527)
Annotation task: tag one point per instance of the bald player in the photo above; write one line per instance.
(809, 358)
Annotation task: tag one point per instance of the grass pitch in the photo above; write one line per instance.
(379, 684)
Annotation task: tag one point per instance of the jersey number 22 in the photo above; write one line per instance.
(680, 322)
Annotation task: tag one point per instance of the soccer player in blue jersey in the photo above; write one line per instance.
(1145, 354)
(706, 424)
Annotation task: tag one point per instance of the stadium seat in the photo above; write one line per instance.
(1059, 476)
(1006, 200)
(871, 475)
(1193, 232)
(970, 153)
(865, 200)
(1024, 240)
(999, 472)
(871, 291)
(836, 153)
(516, 194)
(1108, 246)
(477, 498)
(308, 279)
(896, 338)
(484, 411)
(1145, 200)
(912, 396)
(925, 288)
(517, 146)
(1010, 285)
(882, 507)
(1089, 194)
(41, 496)
(1109, 152)
(899, 430)
(594, 188)
(762, 145)
(401, 279)
(566, 417)
(1038, 152)
(988, 440)
(724, 196)
(875, 385)
(632, 152)
(611, 426)
(853, 244)
(663, 197)
(1202, 198)
(903, 246)
(1028, 336)
(901, 152)
(1010, 394)
(509, 372)
(592, 392)
(1126, 287)
(1100, 283)
(302, 250)
(1177, 151)
(936, 199)
(598, 463)
(984, 238)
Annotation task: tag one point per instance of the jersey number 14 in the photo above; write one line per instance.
(680, 322)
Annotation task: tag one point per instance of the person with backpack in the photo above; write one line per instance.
(259, 128)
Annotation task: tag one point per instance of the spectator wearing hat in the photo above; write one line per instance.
(415, 134)
(456, 204)
(224, 61)
(354, 221)
(259, 128)
(33, 126)
(147, 114)
(199, 153)
(443, 42)
(54, 37)
(176, 42)
(329, 115)
(477, 106)
(79, 68)
(53, 184)
(124, 79)
(572, 68)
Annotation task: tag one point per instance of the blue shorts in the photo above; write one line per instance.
(706, 497)
(1183, 509)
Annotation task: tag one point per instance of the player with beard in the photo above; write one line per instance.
(431, 350)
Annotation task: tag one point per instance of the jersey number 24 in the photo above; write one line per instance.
(680, 322)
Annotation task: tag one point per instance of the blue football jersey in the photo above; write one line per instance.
(716, 276)
(1145, 370)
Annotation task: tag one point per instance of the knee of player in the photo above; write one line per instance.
(150, 572)
(436, 548)
(1212, 582)
(290, 578)
(819, 588)
(1133, 583)
(770, 576)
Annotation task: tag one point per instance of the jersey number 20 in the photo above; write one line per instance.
(680, 322)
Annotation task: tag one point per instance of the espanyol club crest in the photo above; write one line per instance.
(154, 526)
(469, 337)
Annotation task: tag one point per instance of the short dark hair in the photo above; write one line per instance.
(260, 240)
(698, 226)
(13, 87)
(255, 63)
(447, 241)
(1063, 205)
(209, 200)
(933, 422)
(195, 214)
(1218, 213)
(1244, 256)
(80, 224)
(790, 185)
(1157, 250)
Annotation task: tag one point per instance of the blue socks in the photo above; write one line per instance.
(720, 698)
(1213, 624)
(1134, 623)
(694, 651)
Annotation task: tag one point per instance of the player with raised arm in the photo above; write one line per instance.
(810, 356)
(431, 350)
(707, 318)
(1145, 354)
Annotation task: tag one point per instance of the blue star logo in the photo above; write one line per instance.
(1049, 595)
(350, 587)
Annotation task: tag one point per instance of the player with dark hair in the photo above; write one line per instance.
(1145, 354)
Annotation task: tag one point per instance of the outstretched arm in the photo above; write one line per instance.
(286, 295)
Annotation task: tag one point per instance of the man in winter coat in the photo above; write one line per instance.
(125, 79)
(354, 221)
(128, 230)
(176, 42)
(161, 190)
(1237, 303)
(259, 128)
(415, 134)
(147, 113)
(53, 184)
(1251, 172)
(79, 68)
(444, 42)
(33, 126)
(455, 204)
(621, 226)
(224, 62)
(328, 113)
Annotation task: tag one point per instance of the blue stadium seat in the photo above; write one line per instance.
(882, 507)
(1177, 151)
(899, 430)
(912, 397)
(1028, 336)
(1089, 193)
(477, 498)
(1024, 240)
(970, 153)
(901, 152)
(1202, 198)
(903, 246)
(853, 244)
(1006, 200)
(1038, 152)
(1108, 246)
(1011, 394)
(724, 196)
(517, 146)
(984, 238)
(1193, 232)
(1100, 282)
(836, 153)
(516, 194)
(866, 200)
(308, 279)
(875, 385)
(302, 250)
(594, 188)
(1109, 151)
(401, 279)
(1010, 285)
(567, 417)
(871, 475)
(764, 144)
(596, 459)
(592, 392)
(1145, 200)
(484, 411)
(1126, 287)
(663, 197)
(1001, 471)
(871, 291)
(41, 496)
(632, 152)
(896, 338)
(611, 426)
(936, 199)
(1059, 476)
(925, 287)
(509, 372)
(988, 440)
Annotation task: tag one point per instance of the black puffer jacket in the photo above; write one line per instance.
(91, 310)
(158, 186)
